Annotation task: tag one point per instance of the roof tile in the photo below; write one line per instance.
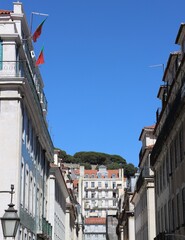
(5, 12)
(95, 221)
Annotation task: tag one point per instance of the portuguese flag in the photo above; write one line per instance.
(38, 31)
(40, 59)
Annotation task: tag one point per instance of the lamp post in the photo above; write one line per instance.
(10, 220)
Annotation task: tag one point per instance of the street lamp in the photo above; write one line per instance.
(10, 220)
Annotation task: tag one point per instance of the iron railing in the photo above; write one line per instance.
(44, 229)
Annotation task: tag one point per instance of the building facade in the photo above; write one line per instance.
(144, 195)
(58, 196)
(26, 148)
(168, 158)
(126, 222)
(95, 228)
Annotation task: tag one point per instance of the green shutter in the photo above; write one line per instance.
(1, 55)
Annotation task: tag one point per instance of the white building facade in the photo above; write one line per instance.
(58, 196)
(95, 229)
(168, 158)
(126, 221)
(26, 149)
(144, 195)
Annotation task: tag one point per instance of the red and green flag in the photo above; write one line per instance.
(40, 59)
(38, 31)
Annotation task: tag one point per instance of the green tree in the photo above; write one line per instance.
(129, 170)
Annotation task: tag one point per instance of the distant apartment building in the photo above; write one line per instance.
(144, 195)
(26, 149)
(98, 194)
(168, 154)
(95, 228)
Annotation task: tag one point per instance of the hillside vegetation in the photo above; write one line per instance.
(96, 158)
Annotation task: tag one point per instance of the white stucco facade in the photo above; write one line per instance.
(144, 195)
(26, 149)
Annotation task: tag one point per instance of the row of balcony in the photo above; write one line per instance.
(100, 207)
(43, 229)
(167, 126)
(101, 188)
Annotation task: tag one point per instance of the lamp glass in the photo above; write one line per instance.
(10, 222)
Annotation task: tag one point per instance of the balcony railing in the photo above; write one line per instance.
(16, 69)
(11, 69)
(45, 229)
(167, 126)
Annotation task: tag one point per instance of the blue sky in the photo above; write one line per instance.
(100, 89)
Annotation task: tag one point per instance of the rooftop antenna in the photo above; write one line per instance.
(158, 65)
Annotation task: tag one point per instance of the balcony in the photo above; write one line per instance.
(167, 126)
(11, 70)
(45, 229)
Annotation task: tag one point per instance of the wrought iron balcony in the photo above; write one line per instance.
(167, 126)
(45, 229)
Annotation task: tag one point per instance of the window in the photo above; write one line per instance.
(26, 188)
(22, 182)
(114, 185)
(176, 151)
(93, 195)
(183, 204)
(28, 134)
(164, 174)
(157, 182)
(92, 184)
(170, 215)
(1, 55)
(113, 175)
(99, 175)
(181, 143)
(114, 202)
(34, 196)
(171, 159)
(178, 210)
(106, 184)
(160, 177)
(165, 218)
(86, 184)
(92, 175)
(99, 184)
(31, 194)
(173, 215)
(167, 168)
(162, 225)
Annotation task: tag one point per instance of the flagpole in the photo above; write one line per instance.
(31, 20)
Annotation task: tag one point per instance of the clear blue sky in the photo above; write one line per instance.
(100, 89)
